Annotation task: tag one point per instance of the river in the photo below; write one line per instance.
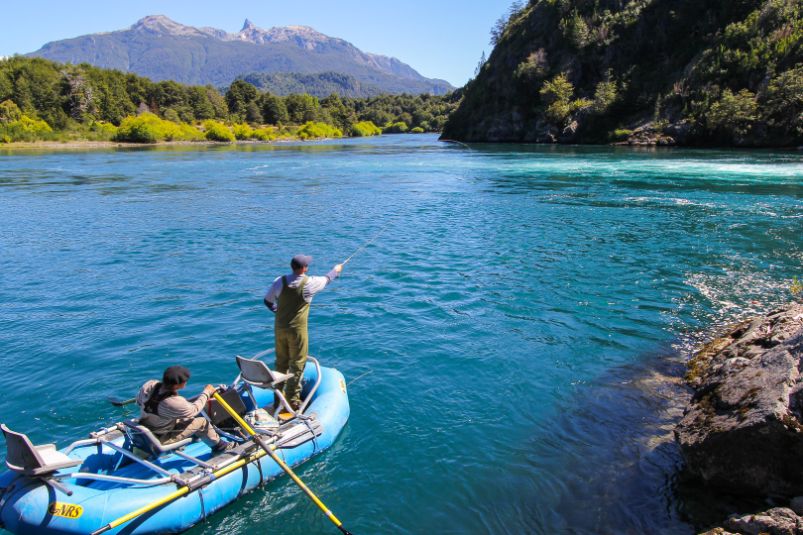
(515, 335)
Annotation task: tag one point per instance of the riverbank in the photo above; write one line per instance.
(740, 435)
(82, 145)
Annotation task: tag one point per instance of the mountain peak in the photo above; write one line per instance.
(213, 56)
(163, 25)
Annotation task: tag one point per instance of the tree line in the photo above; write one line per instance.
(41, 99)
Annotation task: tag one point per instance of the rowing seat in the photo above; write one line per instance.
(36, 461)
(143, 438)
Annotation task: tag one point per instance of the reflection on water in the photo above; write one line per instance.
(523, 320)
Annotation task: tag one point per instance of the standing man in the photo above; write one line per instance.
(289, 298)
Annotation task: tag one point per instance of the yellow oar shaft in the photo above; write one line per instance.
(177, 494)
(269, 449)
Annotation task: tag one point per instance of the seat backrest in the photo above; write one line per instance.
(21, 454)
(257, 373)
(143, 438)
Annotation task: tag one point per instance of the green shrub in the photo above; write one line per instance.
(187, 132)
(365, 129)
(24, 129)
(216, 131)
(9, 111)
(265, 133)
(99, 131)
(417, 130)
(796, 288)
(148, 128)
(604, 96)
(557, 94)
(621, 134)
(783, 101)
(535, 67)
(313, 130)
(733, 114)
(242, 131)
(399, 127)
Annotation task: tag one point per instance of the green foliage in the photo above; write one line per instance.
(339, 114)
(148, 128)
(302, 108)
(365, 129)
(240, 97)
(604, 96)
(535, 67)
(796, 288)
(314, 130)
(417, 130)
(621, 134)
(557, 94)
(734, 114)
(242, 131)
(86, 102)
(9, 111)
(274, 110)
(24, 129)
(318, 85)
(576, 30)
(783, 102)
(682, 64)
(264, 134)
(216, 131)
(399, 127)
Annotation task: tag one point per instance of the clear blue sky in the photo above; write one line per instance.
(438, 38)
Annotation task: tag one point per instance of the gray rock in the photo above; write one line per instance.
(776, 521)
(742, 431)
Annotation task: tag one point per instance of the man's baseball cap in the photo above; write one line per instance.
(300, 260)
(175, 375)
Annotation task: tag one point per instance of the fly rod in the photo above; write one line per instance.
(366, 244)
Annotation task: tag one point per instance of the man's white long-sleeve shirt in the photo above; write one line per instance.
(313, 286)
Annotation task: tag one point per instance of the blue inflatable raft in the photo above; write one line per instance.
(98, 484)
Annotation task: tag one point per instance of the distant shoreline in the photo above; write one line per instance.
(77, 144)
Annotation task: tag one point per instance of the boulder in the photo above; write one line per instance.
(742, 430)
(775, 521)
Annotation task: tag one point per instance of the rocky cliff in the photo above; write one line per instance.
(719, 72)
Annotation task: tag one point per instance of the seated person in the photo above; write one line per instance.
(171, 417)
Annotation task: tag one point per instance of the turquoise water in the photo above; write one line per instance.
(516, 332)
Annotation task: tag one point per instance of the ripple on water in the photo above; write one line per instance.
(517, 329)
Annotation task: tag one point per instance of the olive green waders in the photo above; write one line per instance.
(292, 340)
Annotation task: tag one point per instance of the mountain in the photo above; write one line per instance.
(319, 84)
(714, 72)
(163, 49)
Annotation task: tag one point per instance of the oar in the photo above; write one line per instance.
(117, 402)
(176, 494)
(269, 449)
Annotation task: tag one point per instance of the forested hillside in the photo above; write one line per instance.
(713, 72)
(40, 99)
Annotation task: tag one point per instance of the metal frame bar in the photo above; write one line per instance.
(134, 458)
(116, 479)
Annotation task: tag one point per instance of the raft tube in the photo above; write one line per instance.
(31, 507)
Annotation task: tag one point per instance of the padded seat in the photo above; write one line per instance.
(25, 458)
(144, 439)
